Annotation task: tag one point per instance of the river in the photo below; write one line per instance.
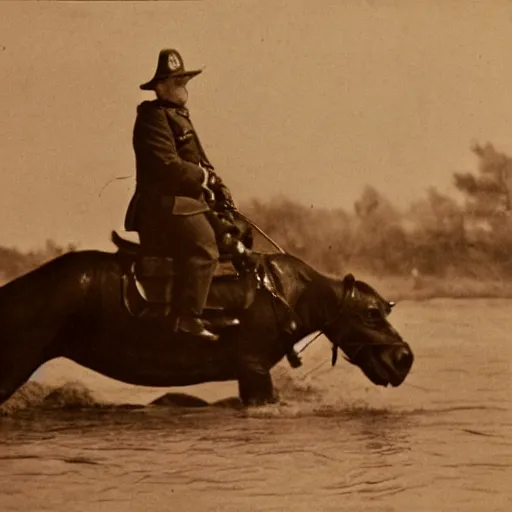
(440, 442)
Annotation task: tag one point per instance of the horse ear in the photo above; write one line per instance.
(349, 280)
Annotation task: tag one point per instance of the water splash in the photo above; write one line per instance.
(36, 396)
(322, 393)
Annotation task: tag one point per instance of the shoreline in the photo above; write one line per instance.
(427, 288)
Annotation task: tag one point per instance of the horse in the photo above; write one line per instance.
(76, 306)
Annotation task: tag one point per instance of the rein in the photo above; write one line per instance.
(260, 231)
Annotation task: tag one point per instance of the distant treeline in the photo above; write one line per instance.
(465, 236)
(442, 236)
(14, 262)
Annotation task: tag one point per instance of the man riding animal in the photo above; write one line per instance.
(176, 191)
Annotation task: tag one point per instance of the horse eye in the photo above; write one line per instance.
(373, 314)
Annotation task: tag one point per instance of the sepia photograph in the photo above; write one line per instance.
(256, 256)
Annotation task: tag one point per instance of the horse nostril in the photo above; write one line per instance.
(403, 358)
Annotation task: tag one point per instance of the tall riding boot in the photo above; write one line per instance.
(195, 245)
(194, 293)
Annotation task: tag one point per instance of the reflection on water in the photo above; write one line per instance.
(440, 442)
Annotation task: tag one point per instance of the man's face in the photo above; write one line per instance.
(173, 89)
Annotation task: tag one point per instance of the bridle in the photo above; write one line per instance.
(348, 293)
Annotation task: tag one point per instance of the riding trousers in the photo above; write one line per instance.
(191, 241)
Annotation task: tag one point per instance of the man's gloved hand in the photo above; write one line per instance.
(222, 197)
(214, 181)
(208, 191)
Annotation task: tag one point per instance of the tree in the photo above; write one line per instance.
(439, 237)
(380, 242)
(488, 206)
(488, 194)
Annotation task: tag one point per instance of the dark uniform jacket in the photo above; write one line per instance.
(167, 154)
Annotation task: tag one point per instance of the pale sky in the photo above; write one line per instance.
(313, 99)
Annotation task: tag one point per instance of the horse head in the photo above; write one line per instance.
(361, 330)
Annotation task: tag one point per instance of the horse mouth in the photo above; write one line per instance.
(389, 366)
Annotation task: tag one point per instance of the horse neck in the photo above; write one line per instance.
(320, 302)
(314, 297)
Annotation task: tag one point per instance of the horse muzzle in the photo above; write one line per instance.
(386, 366)
(398, 362)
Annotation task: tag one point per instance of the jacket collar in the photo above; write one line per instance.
(178, 108)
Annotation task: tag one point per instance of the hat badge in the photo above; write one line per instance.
(173, 61)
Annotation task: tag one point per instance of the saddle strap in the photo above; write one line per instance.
(267, 280)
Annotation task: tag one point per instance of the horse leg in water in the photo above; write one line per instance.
(40, 312)
(22, 352)
(15, 370)
(255, 383)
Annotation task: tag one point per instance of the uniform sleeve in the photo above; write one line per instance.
(154, 141)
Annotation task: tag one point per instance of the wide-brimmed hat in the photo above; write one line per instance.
(169, 64)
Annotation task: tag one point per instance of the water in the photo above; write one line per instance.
(440, 442)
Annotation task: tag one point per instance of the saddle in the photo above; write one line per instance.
(148, 283)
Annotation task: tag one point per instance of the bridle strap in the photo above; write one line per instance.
(359, 346)
(326, 325)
